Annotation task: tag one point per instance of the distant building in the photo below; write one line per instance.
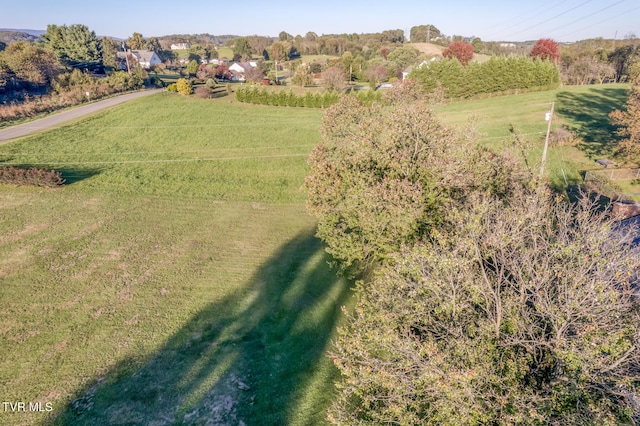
(410, 68)
(146, 58)
(180, 46)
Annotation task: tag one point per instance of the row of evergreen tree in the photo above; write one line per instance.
(308, 100)
(497, 75)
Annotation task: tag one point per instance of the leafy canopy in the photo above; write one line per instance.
(546, 49)
(72, 44)
(628, 121)
(525, 315)
(383, 175)
(459, 50)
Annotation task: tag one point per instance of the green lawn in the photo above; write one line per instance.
(176, 279)
(582, 109)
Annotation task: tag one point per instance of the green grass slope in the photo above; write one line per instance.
(176, 279)
(582, 109)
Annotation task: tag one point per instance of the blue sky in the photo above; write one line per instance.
(491, 20)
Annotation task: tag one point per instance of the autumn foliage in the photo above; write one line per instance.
(31, 177)
(459, 50)
(628, 121)
(546, 48)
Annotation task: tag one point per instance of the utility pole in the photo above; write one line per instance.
(548, 117)
(126, 57)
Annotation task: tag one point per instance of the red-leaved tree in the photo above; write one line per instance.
(545, 48)
(460, 50)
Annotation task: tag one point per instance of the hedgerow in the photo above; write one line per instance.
(325, 99)
(495, 76)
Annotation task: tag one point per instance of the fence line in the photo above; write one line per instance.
(616, 174)
(602, 179)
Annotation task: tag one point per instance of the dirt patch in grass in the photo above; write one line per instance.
(428, 48)
(17, 236)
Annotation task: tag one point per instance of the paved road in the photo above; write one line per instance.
(72, 114)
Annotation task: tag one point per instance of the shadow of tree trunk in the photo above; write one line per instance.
(252, 358)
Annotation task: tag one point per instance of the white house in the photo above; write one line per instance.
(239, 68)
(410, 68)
(180, 46)
(146, 58)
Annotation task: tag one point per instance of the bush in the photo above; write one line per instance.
(184, 87)
(31, 177)
(562, 137)
(173, 87)
(203, 92)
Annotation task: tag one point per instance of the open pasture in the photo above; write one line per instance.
(176, 278)
(582, 109)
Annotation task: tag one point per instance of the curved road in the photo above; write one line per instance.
(72, 114)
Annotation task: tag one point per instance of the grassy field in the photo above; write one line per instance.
(582, 109)
(176, 278)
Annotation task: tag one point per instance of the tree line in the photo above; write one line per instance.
(497, 75)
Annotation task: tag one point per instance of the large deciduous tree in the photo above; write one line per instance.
(384, 175)
(242, 48)
(459, 50)
(334, 78)
(376, 74)
(526, 314)
(136, 42)
(546, 48)
(424, 33)
(303, 76)
(28, 64)
(404, 56)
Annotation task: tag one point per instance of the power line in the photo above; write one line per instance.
(517, 24)
(601, 21)
(554, 17)
(587, 16)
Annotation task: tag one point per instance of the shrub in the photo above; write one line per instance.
(31, 177)
(173, 87)
(203, 92)
(562, 136)
(184, 87)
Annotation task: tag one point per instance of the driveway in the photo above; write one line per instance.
(57, 119)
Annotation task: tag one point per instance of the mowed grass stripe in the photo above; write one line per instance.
(133, 266)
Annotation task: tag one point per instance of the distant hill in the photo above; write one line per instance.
(166, 40)
(34, 33)
(11, 36)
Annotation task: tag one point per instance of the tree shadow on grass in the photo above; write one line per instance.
(250, 358)
(74, 175)
(588, 117)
